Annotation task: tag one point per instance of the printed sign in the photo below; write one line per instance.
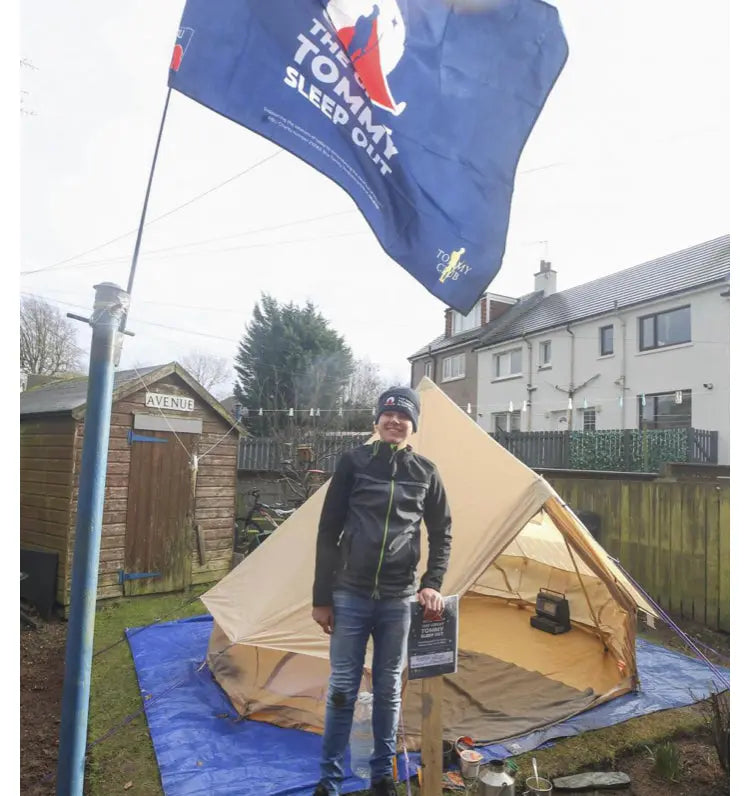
(180, 403)
(433, 645)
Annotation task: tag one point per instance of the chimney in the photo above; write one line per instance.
(449, 322)
(546, 279)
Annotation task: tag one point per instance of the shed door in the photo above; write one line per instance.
(159, 504)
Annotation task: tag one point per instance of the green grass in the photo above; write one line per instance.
(127, 755)
(602, 748)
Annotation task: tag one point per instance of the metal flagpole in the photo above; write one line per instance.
(109, 320)
(136, 252)
(108, 308)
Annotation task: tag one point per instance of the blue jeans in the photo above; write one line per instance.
(356, 618)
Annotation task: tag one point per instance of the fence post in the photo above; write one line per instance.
(690, 445)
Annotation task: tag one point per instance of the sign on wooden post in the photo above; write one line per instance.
(432, 653)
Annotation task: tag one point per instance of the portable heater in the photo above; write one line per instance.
(552, 612)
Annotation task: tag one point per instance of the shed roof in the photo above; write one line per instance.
(68, 396)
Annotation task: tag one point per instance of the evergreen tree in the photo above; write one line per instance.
(289, 357)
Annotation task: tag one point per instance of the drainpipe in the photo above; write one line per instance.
(529, 388)
(571, 386)
(623, 377)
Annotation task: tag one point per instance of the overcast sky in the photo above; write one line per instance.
(628, 161)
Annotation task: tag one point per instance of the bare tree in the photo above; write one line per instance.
(48, 342)
(209, 370)
(365, 384)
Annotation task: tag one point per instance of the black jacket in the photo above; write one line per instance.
(369, 531)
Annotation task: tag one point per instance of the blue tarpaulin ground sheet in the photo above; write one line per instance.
(203, 747)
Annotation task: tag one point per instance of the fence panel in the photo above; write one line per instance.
(673, 537)
(628, 450)
(267, 454)
(724, 568)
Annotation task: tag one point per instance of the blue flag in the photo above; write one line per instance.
(418, 109)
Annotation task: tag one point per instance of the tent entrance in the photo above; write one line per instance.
(513, 678)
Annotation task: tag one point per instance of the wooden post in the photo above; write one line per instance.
(432, 736)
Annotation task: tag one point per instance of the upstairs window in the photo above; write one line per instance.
(665, 328)
(462, 323)
(545, 354)
(606, 340)
(454, 367)
(509, 363)
(429, 369)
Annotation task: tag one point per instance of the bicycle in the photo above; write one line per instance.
(248, 533)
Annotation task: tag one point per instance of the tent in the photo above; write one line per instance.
(512, 535)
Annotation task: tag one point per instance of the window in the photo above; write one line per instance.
(454, 367)
(666, 410)
(589, 419)
(429, 369)
(508, 364)
(606, 340)
(665, 328)
(506, 422)
(545, 354)
(470, 321)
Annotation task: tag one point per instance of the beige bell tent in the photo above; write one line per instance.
(512, 535)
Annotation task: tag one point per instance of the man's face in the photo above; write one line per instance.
(394, 426)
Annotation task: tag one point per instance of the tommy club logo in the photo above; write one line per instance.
(451, 265)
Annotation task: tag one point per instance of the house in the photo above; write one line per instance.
(450, 360)
(166, 525)
(643, 348)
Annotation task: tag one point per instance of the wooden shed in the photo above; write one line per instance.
(165, 526)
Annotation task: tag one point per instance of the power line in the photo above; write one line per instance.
(147, 323)
(244, 312)
(219, 238)
(204, 253)
(157, 218)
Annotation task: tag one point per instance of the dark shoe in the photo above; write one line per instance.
(321, 790)
(385, 787)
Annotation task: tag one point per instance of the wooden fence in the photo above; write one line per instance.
(627, 450)
(270, 454)
(673, 538)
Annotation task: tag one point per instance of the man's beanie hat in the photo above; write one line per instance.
(400, 399)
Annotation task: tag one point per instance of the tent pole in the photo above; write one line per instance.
(587, 598)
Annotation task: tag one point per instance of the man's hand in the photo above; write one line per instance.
(323, 615)
(432, 601)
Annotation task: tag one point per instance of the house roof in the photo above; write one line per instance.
(699, 265)
(68, 396)
(473, 335)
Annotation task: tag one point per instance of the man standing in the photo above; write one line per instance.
(367, 553)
